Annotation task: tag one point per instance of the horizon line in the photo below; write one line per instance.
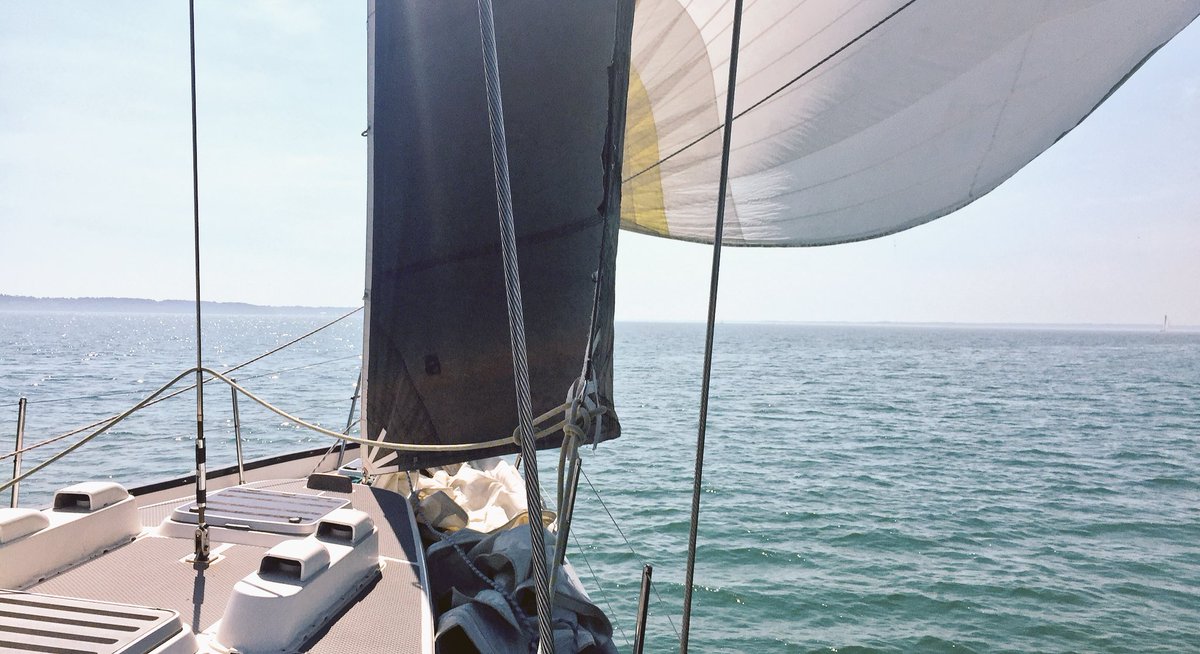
(6, 298)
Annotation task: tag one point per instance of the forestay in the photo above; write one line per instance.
(438, 363)
(859, 119)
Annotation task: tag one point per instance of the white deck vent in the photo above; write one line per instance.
(85, 521)
(255, 509)
(16, 523)
(89, 496)
(296, 560)
(345, 527)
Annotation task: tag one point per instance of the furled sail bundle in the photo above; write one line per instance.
(854, 120)
(437, 358)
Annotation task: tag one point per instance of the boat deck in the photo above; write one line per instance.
(149, 572)
(390, 614)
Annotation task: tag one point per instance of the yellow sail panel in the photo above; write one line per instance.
(641, 196)
(857, 120)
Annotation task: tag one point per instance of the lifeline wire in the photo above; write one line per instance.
(603, 593)
(629, 545)
(239, 366)
(97, 396)
(383, 445)
(516, 323)
(719, 229)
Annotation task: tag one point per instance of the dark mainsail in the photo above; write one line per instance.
(437, 357)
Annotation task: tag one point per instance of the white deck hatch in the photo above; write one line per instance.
(256, 509)
(45, 623)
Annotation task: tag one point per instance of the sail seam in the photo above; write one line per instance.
(1003, 107)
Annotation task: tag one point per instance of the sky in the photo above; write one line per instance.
(95, 186)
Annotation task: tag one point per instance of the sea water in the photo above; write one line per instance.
(866, 488)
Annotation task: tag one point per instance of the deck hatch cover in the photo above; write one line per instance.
(46, 623)
(257, 509)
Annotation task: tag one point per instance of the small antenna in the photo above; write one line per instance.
(201, 539)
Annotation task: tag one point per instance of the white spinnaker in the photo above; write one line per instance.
(908, 110)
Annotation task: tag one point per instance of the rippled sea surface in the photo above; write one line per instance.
(890, 489)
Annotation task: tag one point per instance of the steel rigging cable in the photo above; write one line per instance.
(712, 316)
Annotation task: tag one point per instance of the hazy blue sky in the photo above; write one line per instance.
(95, 195)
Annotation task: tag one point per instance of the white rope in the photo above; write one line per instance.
(384, 444)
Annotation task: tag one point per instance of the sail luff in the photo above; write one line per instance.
(367, 455)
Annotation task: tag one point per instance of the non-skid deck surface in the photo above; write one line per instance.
(148, 572)
(386, 618)
(393, 517)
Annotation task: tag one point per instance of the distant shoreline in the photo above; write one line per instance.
(24, 303)
(897, 324)
(28, 304)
